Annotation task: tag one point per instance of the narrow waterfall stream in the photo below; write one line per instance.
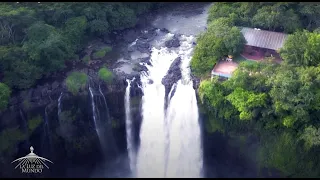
(130, 143)
(59, 103)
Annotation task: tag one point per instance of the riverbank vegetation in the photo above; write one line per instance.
(222, 38)
(278, 103)
(102, 52)
(37, 39)
(285, 17)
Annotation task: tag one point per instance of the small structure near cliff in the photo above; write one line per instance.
(224, 69)
(260, 44)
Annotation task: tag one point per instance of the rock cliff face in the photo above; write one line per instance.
(61, 127)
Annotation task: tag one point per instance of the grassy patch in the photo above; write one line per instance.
(102, 52)
(239, 59)
(105, 75)
(75, 81)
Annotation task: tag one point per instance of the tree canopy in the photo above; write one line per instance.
(275, 16)
(265, 99)
(275, 99)
(221, 39)
(302, 49)
(38, 38)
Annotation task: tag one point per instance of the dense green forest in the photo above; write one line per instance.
(279, 103)
(37, 39)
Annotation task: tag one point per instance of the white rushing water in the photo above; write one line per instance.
(185, 154)
(96, 118)
(170, 143)
(59, 105)
(130, 149)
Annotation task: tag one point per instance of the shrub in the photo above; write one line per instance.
(102, 52)
(105, 75)
(75, 81)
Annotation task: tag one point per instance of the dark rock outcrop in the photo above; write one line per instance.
(139, 68)
(164, 30)
(173, 76)
(130, 35)
(195, 81)
(145, 60)
(149, 34)
(143, 46)
(174, 42)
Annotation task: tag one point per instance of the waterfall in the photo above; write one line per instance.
(46, 138)
(170, 142)
(24, 127)
(151, 155)
(130, 142)
(102, 123)
(105, 103)
(24, 121)
(59, 105)
(109, 134)
(185, 154)
(95, 115)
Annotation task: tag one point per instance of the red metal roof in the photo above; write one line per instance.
(263, 39)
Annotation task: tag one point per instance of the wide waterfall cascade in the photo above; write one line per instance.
(151, 155)
(130, 143)
(170, 143)
(185, 153)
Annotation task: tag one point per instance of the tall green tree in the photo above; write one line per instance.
(207, 52)
(311, 11)
(302, 49)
